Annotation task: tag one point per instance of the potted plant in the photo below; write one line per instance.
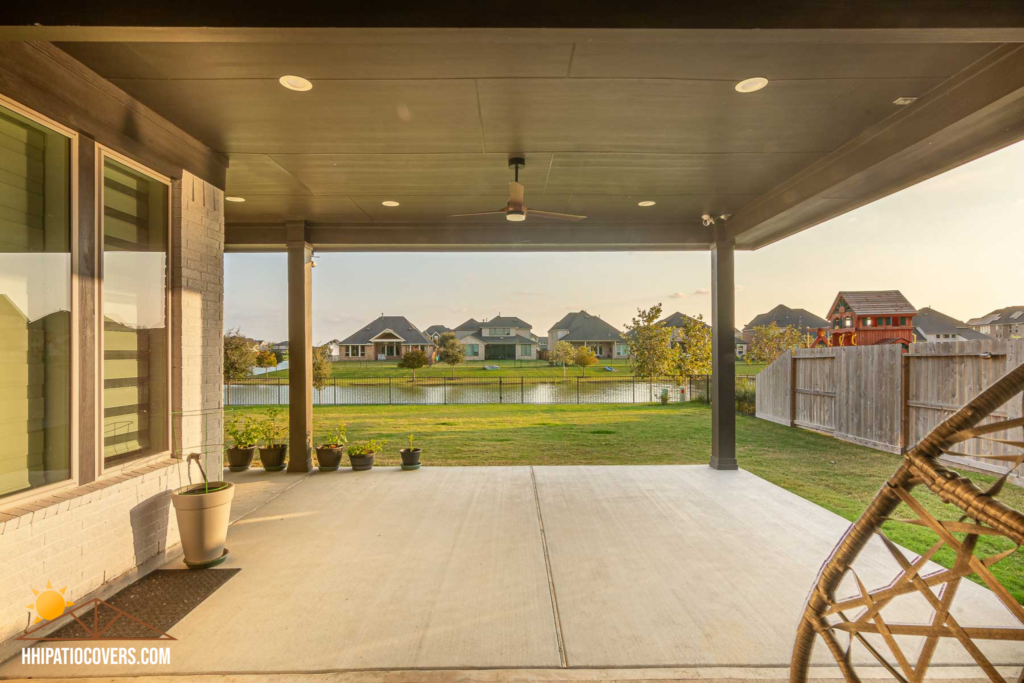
(273, 449)
(243, 437)
(203, 512)
(360, 454)
(329, 454)
(411, 456)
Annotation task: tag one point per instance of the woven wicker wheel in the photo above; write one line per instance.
(836, 621)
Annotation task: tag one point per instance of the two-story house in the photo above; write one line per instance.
(585, 329)
(500, 338)
(931, 326)
(1005, 323)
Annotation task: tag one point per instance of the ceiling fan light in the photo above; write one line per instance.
(646, 202)
(297, 83)
(515, 216)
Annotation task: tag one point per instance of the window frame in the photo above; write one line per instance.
(74, 361)
(103, 153)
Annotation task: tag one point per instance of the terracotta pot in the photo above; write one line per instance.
(240, 459)
(361, 463)
(410, 458)
(203, 522)
(328, 459)
(274, 458)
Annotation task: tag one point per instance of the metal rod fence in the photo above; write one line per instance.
(261, 391)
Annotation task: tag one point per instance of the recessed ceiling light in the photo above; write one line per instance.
(904, 101)
(647, 202)
(515, 216)
(234, 199)
(390, 202)
(751, 84)
(295, 83)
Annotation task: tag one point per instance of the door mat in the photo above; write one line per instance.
(159, 600)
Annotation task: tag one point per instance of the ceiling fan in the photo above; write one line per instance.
(515, 210)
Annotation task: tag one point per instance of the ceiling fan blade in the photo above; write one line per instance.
(516, 192)
(556, 216)
(482, 213)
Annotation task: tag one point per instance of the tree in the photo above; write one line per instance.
(584, 358)
(650, 343)
(563, 353)
(265, 359)
(321, 367)
(278, 356)
(693, 349)
(413, 360)
(768, 342)
(451, 351)
(239, 355)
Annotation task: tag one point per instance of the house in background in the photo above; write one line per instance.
(1005, 323)
(869, 318)
(389, 337)
(678, 321)
(784, 316)
(500, 338)
(930, 326)
(585, 329)
(333, 348)
(434, 332)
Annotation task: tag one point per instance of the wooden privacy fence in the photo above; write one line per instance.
(880, 397)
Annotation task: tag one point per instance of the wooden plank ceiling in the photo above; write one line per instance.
(603, 122)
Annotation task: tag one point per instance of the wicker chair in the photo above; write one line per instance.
(826, 616)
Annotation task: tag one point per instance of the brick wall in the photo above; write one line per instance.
(198, 307)
(92, 538)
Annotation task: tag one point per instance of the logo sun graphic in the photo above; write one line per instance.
(49, 604)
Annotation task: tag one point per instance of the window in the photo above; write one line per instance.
(848, 321)
(472, 349)
(355, 351)
(501, 331)
(135, 331)
(525, 350)
(621, 349)
(903, 321)
(35, 304)
(866, 322)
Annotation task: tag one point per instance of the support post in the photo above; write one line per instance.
(300, 349)
(723, 358)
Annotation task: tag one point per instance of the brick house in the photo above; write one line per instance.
(389, 337)
(500, 338)
(585, 329)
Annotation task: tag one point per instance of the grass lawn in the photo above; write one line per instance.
(838, 476)
(476, 369)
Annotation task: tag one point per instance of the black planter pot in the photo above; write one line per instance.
(329, 459)
(410, 458)
(273, 458)
(361, 463)
(240, 459)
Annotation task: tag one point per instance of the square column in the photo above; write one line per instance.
(723, 356)
(300, 349)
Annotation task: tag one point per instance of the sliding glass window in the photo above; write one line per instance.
(35, 304)
(135, 316)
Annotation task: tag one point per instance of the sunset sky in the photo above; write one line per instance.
(954, 243)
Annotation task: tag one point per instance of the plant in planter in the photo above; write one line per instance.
(203, 511)
(361, 453)
(329, 454)
(273, 448)
(244, 436)
(411, 456)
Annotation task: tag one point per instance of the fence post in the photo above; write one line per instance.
(278, 391)
(444, 389)
(905, 404)
(633, 379)
(522, 390)
(389, 390)
(577, 391)
(499, 390)
(229, 394)
(792, 389)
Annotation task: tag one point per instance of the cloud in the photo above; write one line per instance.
(701, 291)
(676, 295)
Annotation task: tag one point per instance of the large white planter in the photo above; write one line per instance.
(203, 524)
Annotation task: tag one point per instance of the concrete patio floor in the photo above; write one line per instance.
(619, 569)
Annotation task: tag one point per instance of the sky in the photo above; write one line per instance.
(953, 243)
